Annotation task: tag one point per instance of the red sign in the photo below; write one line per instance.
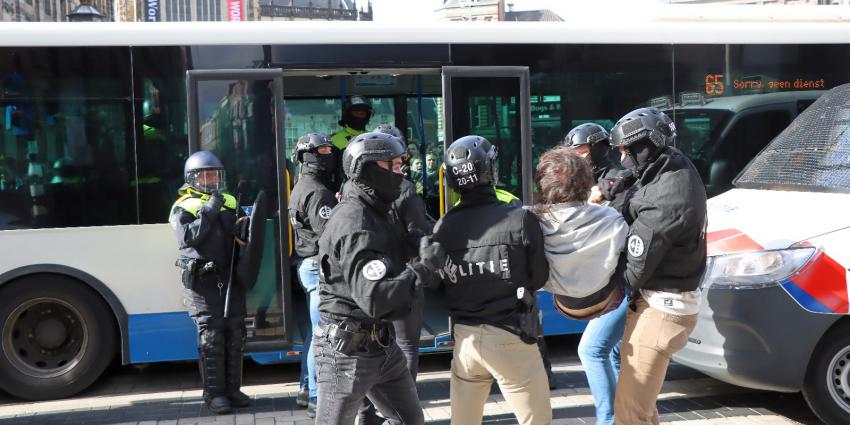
(234, 10)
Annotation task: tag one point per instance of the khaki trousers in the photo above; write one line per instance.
(485, 352)
(651, 338)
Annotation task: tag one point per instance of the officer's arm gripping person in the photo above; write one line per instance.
(664, 258)
(204, 221)
(495, 252)
(364, 286)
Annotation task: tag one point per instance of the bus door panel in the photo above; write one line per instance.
(238, 115)
(494, 103)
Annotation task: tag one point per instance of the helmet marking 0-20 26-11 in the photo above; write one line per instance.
(644, 123)
(196, 175)
(370, 147)
(586, 134)
(470, 162)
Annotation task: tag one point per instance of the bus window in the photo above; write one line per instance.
(65, 138)
(424, 133)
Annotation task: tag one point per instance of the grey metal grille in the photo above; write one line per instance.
(812, 154)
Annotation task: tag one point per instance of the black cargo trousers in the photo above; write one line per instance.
(375, 369)
(221, 342)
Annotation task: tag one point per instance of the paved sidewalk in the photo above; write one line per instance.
(688, 398)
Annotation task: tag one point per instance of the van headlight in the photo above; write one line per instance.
(754, 270)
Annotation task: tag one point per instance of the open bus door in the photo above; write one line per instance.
(238, 115)
(492, 102)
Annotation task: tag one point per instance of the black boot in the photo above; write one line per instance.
(235, 358)
(212, 359)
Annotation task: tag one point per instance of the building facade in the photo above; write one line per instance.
(315, 10)
(48, 10)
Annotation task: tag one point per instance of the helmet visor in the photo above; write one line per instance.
(208, 180)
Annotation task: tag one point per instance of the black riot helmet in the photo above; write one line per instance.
(310, 143)
(644, 133)
(470, 162)
(370, 147)
(594, 136)
(356, 102)
(644, 124)
(204, 172)
(391, 130)
(586, 134)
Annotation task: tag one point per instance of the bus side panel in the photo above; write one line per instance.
(162, 337)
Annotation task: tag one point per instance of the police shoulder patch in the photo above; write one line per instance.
(635, 246)
(325, 212)
(375, 270)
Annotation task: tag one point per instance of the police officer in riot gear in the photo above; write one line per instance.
(664, 258)
(204, 220)
(592, 142)
(496, 263)
(366, 284)
(407, 213)
(356, 112)
(310, 206)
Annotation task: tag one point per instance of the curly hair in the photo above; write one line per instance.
(563, 176)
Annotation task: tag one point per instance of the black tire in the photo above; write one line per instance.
(827, 385)
(57, 336)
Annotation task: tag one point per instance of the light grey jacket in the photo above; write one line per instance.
(583, 243)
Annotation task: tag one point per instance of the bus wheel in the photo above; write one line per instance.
(827, 385)
(58, 336)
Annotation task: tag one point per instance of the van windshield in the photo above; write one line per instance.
(812, 154)
(698, 133)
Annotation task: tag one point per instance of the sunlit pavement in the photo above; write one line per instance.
(170, 394)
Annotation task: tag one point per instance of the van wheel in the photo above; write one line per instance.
(827, 385)
(57, 337)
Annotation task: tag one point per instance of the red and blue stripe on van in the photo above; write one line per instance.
(820, 286)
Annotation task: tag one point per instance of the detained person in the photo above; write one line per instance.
(366, 285)
(663, 261)
(204, 220)
(583, 242)
(496, 263)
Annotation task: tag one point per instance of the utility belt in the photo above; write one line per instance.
(351, 336)
(193, 269)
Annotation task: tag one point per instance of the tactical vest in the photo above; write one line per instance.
(191, 202)
(341, 138)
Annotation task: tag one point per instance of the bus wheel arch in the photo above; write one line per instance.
(827, 383)
(58, 333)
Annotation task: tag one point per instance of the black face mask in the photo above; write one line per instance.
(599, 154)
(320, 162)
(639, 155)
(385, 183)
(358, 124)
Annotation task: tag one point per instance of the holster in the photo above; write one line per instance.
(192, 269)
(530, 327)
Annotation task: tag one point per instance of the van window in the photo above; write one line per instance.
(811, 154)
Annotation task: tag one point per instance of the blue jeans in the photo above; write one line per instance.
(308, 276)
(599, 351)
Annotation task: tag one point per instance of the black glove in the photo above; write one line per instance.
(413, 238)
(214, 203)
(610, 187)
(432, 257)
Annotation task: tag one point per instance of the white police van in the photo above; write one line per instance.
(775, 309)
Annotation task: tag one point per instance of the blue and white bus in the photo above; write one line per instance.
(96, 120)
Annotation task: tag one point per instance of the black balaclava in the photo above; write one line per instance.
(639, 155)
(358, 124)
(599, 154)
(317, 161)
(385, 183)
